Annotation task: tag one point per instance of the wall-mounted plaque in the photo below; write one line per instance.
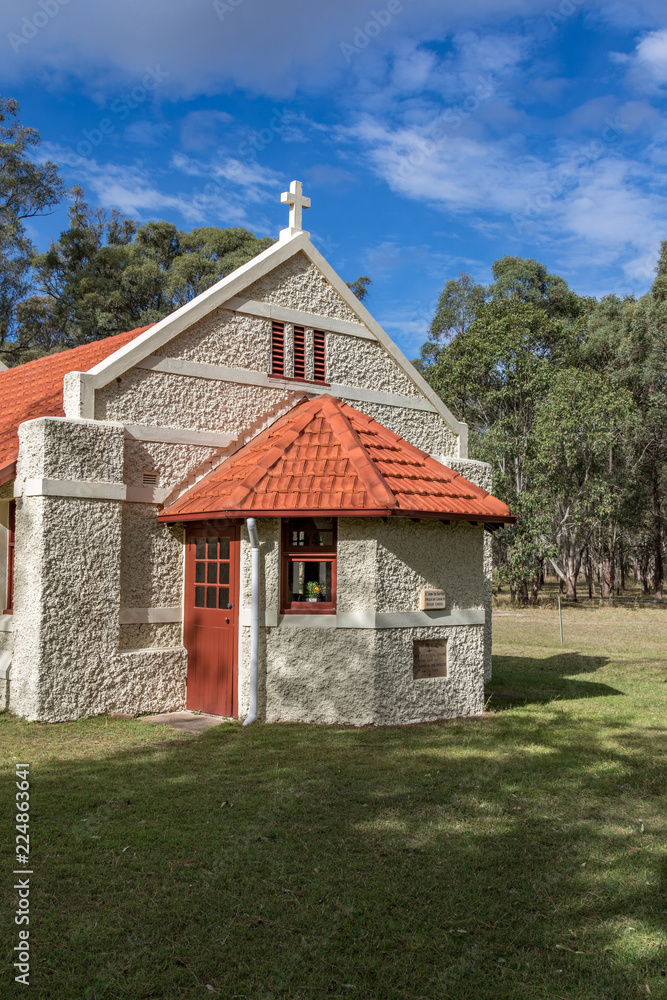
(429, 658)
(431, 600)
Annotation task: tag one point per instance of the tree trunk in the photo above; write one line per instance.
(535, 588)
(610, 580)
(657, 535)
(588, 572)
(621, 562)
(567, 578)
(522, 593)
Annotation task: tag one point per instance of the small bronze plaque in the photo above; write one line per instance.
(429, 658)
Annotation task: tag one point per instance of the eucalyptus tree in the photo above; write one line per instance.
(106, 274)
(627, 340)
(495, 372)
(578, 424)
(459, 303)
(27, 189)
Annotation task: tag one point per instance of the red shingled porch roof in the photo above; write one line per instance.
(35, 389)
(326, 457)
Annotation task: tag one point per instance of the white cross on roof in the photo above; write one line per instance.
(296, 201)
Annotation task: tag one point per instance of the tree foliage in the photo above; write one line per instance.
(107, 274)
(27, 189)
(360, 286)
(565, 397)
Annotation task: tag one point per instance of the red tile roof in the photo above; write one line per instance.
(35, 389)
(323, 455)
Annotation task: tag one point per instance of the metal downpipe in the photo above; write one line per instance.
(251, 525)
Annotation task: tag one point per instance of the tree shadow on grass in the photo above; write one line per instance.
(525, 680)
(487, 860)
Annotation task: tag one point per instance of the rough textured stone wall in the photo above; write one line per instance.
(67, 660)
(4, 551)
(172, 462)
(481, 474)
(297, 284)
(165, 400)
(165, 635)
(56, 448)
(364, 676)
(225, 338)
(401, 699)
(365, 364)
(321, 676)
(152, 559)
(424, 430)
(429, 554)
(161, 399)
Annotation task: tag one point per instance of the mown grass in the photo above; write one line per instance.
(518, 855)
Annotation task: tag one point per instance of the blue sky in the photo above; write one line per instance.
(433, 137)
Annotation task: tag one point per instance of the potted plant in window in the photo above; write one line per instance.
(314, 591)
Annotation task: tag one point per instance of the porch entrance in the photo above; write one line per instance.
(211, 618)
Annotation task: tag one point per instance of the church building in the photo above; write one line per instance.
(255, 508)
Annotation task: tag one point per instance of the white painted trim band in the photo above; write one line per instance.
(148, 494)
(268, 310)
(177, 435)
(6, 623)
(154, 649)
(370, 619)
(5, 664)
(72, 488)
(79, 490)
(150, 616)
(241, 376)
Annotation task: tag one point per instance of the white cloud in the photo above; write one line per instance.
(609, 208)
(652, 55)
(225, 191)
(260, 46)
(456, 172)
(647, 65)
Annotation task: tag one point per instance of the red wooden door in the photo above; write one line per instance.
(211, 618)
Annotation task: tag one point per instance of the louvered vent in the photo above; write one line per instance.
(150, 479)
(278, 349)
(319, 358)
(299, 352)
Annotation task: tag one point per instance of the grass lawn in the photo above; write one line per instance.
(518, 855)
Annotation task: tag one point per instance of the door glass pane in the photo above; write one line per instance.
(224, 572)
(210, 597)
(200, 572)
(212, 547)
(200, 547)
(199, 597)
(223, 597)
(224, 548)
(212, 573)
